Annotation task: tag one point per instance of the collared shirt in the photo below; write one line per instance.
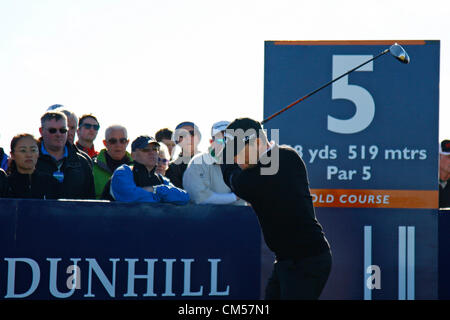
(58, 162)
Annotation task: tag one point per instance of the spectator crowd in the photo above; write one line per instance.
(64, 164)
(55, 166)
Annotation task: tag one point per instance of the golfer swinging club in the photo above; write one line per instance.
(283, 204)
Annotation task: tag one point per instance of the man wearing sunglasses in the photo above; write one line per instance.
(111, 157)
(140, 182)
(87, 132)
(58, 159)
(203, 178)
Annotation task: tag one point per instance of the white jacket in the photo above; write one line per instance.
(203, 181)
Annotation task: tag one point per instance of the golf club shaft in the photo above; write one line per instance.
(324, 86)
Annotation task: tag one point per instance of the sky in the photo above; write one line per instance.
(150, 64)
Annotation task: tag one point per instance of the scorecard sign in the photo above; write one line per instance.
(375, 129)
(370, 143)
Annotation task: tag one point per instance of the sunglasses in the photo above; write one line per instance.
(89, 126)
(155, 148)
(114, 140)
(162, 160)
(53, 130)
(219, 141)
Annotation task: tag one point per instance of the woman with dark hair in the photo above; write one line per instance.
(23, 180)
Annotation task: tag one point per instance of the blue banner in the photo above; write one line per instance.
(123, 251)
(370, 143)
(97, 250)
(369, 130)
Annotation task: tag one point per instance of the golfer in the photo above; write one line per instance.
(283, 204)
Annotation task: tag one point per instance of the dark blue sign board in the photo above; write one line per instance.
(380, 121)
(128, 251)
(370, 144)
(160, 251)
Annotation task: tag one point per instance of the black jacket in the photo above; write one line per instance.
(3, 184)
(32, 186)
(176, 170)
(142, 178)
(282, 202)
(78, 180)
(444, 196)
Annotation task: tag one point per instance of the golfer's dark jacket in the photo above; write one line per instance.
(78, 180)
(283, 204)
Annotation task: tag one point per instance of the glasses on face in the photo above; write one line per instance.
(163, 161)
(149, 149)
(89, 126)
(114, 140)
(53, 130)
(219, 141)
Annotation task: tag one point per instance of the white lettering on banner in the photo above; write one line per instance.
(35, 277)
(187, 279)
(214, 271)
(108, 285)
(406, 264)
(149, 276)
(108, 280)
(53, 278)
(328, 154)
(362, 99)
(367, 260)
(321, 199)
(169, 276)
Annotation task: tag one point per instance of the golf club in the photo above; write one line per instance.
(396, 51)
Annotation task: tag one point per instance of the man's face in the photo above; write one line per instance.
(147, 156)
(170, 144)
(54, 134)
(444, 163)
(116, 144)
(88, 130)
(218, 143)
(248, 156)
(188, 141)
(72, 126)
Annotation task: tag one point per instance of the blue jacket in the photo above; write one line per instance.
(123, 188)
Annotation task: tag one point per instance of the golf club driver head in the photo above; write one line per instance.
(399, 53)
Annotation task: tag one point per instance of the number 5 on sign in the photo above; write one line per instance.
(365, 106)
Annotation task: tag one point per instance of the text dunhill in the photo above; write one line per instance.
(19, 268)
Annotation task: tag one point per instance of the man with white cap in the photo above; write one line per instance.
(203, 178)
(444, 174)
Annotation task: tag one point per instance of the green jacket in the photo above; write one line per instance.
(101, 172)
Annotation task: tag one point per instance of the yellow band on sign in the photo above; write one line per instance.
(358, 198)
